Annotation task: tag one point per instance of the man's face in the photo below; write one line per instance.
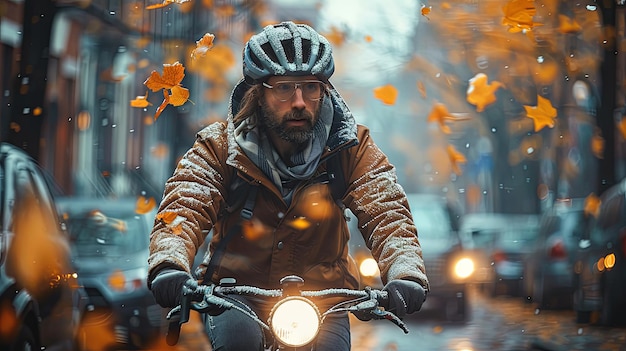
(291, 120)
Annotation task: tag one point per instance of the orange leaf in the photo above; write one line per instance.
(336, 36)
(426, 11)
(203, 45)
(480, 93)
(166, 217)
(597, 145)
(438, 114)
(543, 115)
(518, 15)
(165, 3)
(592, 205)
(179, 95)
(141, 101)
(456, 158)
(387, 94)
(161, 107)
(173, 74)
(568, 25)
(421, 88)
(144, 205)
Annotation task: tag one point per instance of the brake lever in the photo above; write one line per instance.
(382, 314)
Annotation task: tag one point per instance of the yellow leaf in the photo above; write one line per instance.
(144, 205)
(597, 145)
(481, 94)
(592, 205)
(173, 74)
(387, 94)
(543, 115)
(455, 159)
(140, 101)
(568, 25)
(161, 107)
(166, 217)
(438, 114)
(179, 95)
(518, 15)
(203, 45)
(165, 3)
(426, 11)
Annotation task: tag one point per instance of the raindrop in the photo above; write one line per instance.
(527, 180)
(540, 59)
(112, 13)
(530, 150)
(493, 130)
(537, 311)
(438, 75)
(592, 7)
(113, 125)
(467, 146)
(131, 131)
(484, 192)
(580, 331)
(462, 191)
(137, 167)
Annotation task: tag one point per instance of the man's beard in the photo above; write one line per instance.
(278, 125)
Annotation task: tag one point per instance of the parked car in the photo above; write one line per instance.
(501, 243)
(448, 266)
(548, 274)
(600, 268)
(110, 243)
(40, 299)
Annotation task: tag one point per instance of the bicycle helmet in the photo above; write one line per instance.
(287, 49)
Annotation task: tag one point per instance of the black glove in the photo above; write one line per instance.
(405, 297)
(167, 286)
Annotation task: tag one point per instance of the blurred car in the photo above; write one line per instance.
(447, 266)
(600, 268)
(501, 243)
(40, 299)
(110, 243)
(548, 273)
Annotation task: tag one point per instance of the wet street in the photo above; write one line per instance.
(502, 324)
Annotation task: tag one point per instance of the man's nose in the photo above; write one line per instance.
(297, 100)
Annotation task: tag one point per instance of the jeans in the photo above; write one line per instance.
(232, 330)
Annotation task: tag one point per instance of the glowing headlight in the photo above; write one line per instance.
(295, 321)
(368, 267)
(464, 268)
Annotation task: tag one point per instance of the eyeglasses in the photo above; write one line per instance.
(311, 89)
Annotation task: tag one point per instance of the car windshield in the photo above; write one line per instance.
(95, 234)
(432, 222)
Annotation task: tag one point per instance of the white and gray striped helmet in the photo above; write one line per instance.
(287, 49)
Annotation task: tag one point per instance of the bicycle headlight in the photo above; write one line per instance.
(295, 321)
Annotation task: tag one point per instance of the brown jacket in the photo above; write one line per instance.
(309, 238)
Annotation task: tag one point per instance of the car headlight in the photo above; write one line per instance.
(368, 267)
(464, 267)
(295, 321)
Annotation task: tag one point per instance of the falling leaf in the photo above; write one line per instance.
(568, 25)
(203, 46)
(15, 127)
(438, 114)
(518, 15)
(165, 3)
(481, 94)
(592, 205)
(144, 205)
(166, 217)
(597, 145)
(426, 11)
(387, 94)
(141, 101)
(335, 36)
(543, 115)
(368, 38)
(455, 159)
(421, 88)
(173, 74)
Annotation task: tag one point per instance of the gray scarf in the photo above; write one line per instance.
(258, 148)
